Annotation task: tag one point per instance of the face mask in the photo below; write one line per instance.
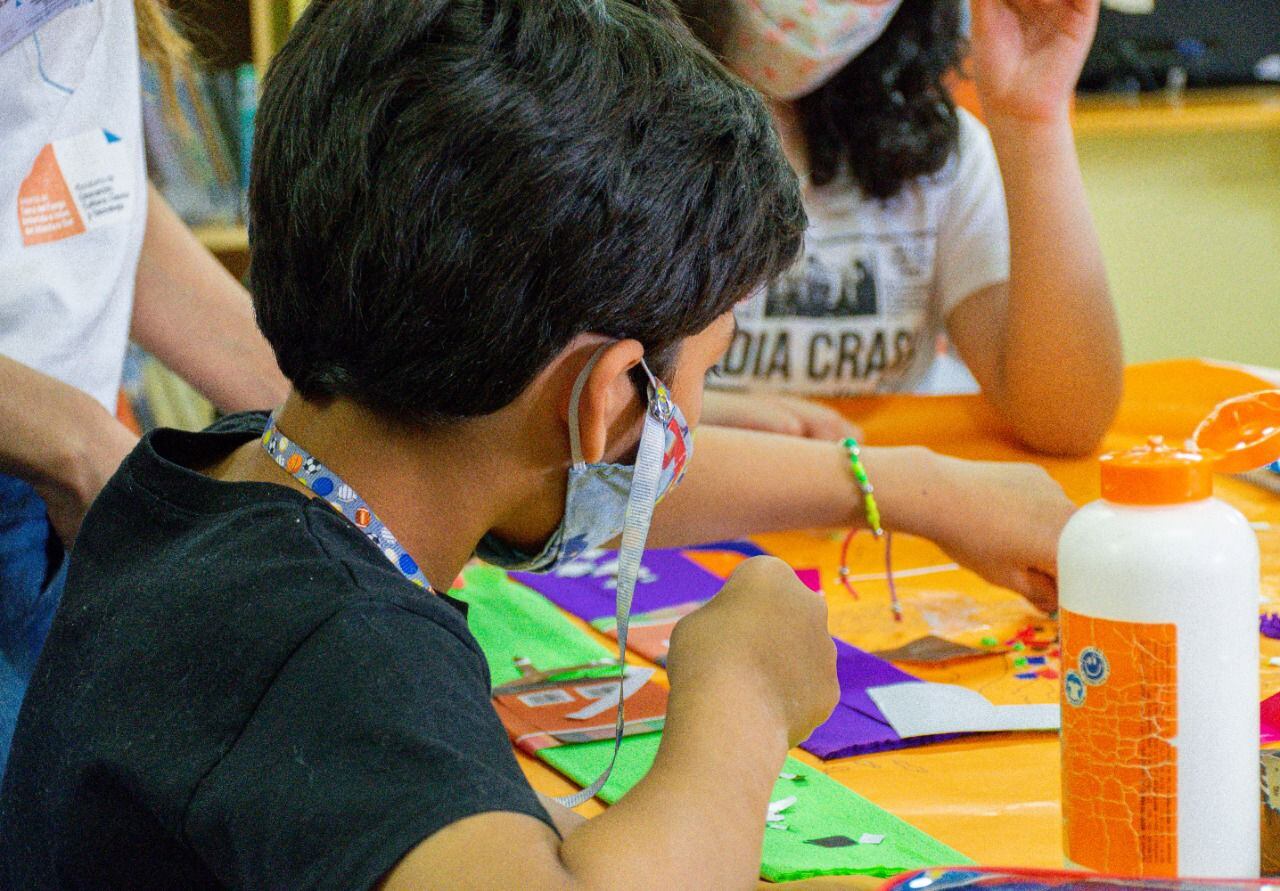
(789, 48)
(596, 499)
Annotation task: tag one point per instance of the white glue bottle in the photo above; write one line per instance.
(1159, 591)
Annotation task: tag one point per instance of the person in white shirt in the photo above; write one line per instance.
(91, 255)
(923, 222)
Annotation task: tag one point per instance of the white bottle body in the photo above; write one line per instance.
(1194, 566)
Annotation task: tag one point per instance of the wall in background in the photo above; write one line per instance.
(1190, 226)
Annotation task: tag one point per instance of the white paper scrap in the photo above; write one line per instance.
(777, 807)
(869, 838)
(928, 709)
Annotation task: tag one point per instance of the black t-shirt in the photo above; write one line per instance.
(241, 691)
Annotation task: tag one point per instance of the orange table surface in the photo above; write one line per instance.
(995, 798)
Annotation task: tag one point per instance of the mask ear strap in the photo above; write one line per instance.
(640, 504)
(575, 431)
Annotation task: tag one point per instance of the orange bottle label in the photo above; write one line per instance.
(1119, 758)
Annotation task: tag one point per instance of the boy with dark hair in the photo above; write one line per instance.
(484, 235)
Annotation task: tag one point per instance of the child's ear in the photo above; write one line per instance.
(608, 395)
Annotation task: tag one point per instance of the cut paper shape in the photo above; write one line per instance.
(553, 684)
(511, 622)
(1269, 625)
(832, 841)
(1270, 718)
(868, 838)
(586, 586)
(856, 725)
(777, 809)
(812, 579)
(931, 649)
(745, 548)
(569, 708)
(823, 809)
(920, 709)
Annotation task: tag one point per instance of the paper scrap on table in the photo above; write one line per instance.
(931, 649)
(587, 586)
(856, 726)
(1270, 719)
(552, 711)
(812, 579)
(929, 709)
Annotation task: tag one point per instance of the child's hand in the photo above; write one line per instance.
(788, 415)
(1028, 54)
(765, 630)
(1003, 522)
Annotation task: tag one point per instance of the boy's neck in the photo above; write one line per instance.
(421, 486)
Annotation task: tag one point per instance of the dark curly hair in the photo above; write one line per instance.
(887, 115)
(446, 192)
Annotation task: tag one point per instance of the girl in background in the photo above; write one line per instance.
(922, 220)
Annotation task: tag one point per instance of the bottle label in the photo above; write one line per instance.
(1119, 745)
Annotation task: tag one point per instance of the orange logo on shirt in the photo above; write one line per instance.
(46, 211)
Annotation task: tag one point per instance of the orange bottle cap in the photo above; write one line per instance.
(1242, 434)
(1156, 474)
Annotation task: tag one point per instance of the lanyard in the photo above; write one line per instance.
(635, 531)
(302, 466)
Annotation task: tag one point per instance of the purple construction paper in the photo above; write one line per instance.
(857, 726)
(668, 578)
(745, 548)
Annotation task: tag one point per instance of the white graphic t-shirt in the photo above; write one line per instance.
(72, 187)
(862, 309)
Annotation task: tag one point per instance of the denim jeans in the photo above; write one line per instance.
(33, 569)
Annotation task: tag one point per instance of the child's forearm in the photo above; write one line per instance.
(697, 819)
(1061, 363)
(743, 482)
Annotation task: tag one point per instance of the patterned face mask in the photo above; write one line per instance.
(789, 48)
(597, 496)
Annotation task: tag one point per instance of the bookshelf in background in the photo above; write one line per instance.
(234, 41)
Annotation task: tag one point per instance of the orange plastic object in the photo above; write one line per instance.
(1155, 474)
(1243, 433)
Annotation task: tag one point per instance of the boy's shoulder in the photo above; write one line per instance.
(258, 557)
(222, 531)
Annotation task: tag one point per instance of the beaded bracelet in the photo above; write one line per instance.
(873, 521)
(864, 485)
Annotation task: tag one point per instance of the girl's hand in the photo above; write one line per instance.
(768, 413)
(1003, 522)
(1028, 54)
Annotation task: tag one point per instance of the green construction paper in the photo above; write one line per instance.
(583, 762)
(823, 808)
(510, 620)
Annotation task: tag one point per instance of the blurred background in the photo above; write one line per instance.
(1177, 124)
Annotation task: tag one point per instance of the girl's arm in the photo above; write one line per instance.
(1000, 520)
(1045, 346)
(196, 318)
